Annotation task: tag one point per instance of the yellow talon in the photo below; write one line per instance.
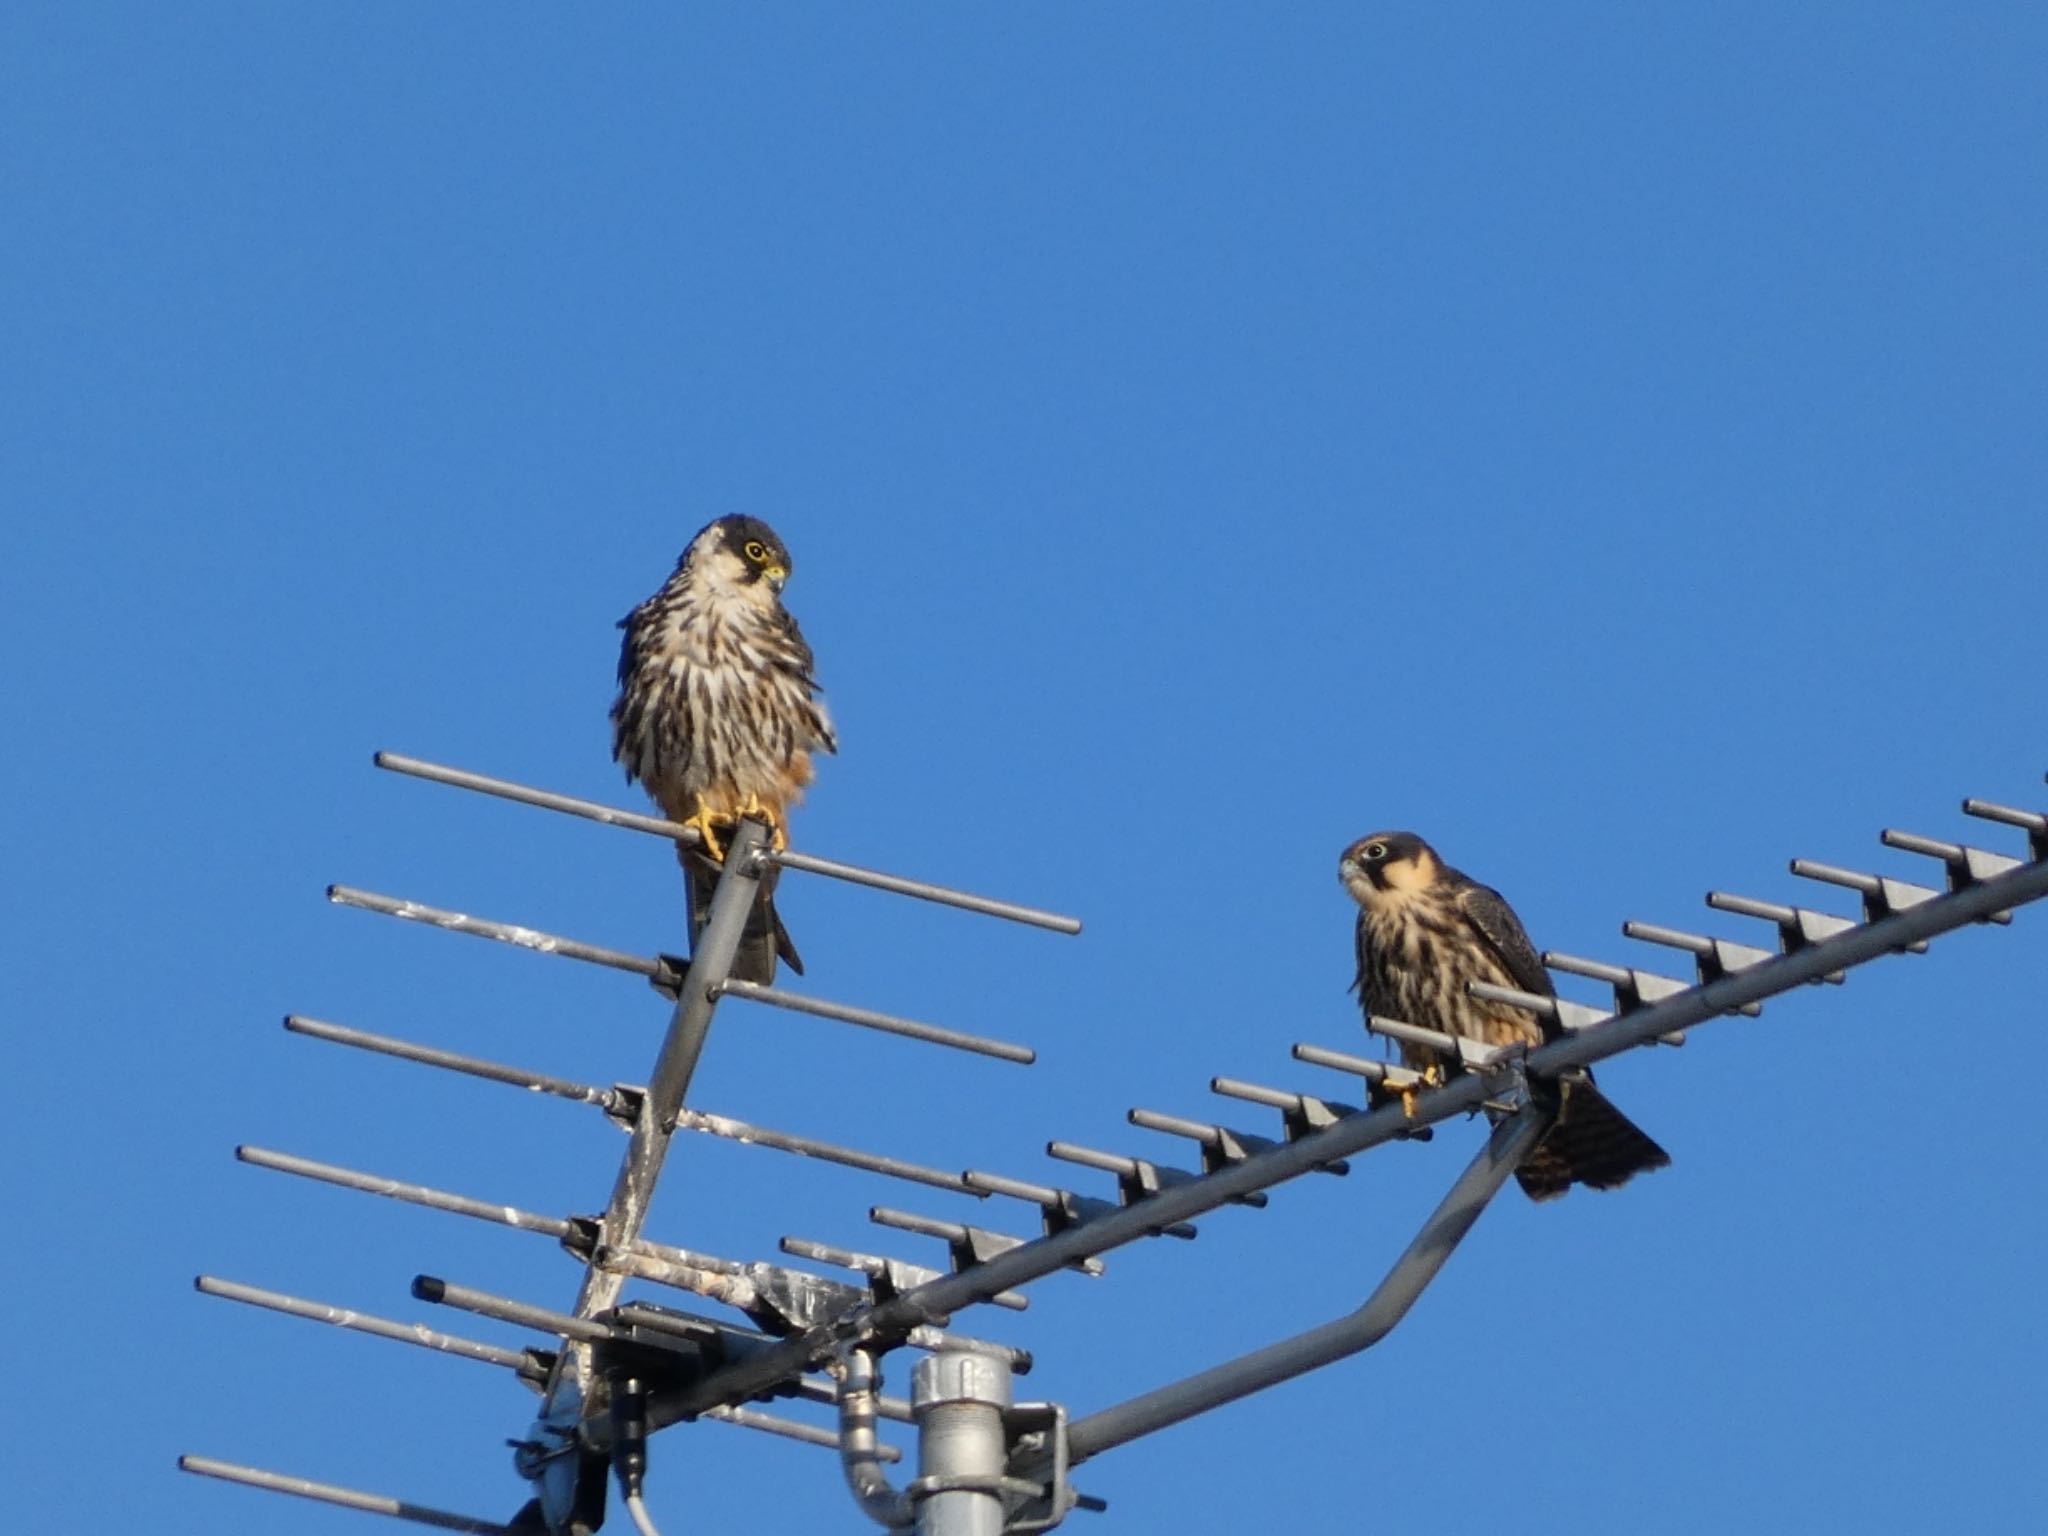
(702, 822)
(759, 812)
(1432, 1077)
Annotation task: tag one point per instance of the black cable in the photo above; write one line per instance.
(629, 1434)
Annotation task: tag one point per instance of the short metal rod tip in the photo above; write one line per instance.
(1748, 906)
(1833, 874)
(924, 890)
(2012, 816)
(1373, 1072)
(1514, 997)
(345, 1498)
(1672, 938)
(1175, 1125)
(1018, 1189)
(1913, 842)
(428, 1288)
(1257, 1093)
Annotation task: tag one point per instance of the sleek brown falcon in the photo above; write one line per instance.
(718, 712)
(1424, 932)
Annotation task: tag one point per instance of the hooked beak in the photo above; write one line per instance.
(776, 575)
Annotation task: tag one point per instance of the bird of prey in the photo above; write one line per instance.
(1425, 931)
(718, 712)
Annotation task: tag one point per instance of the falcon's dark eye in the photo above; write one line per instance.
(1375, 851)
(756, 551)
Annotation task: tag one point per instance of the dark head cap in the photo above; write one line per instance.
(1381, 859)
(758, 550)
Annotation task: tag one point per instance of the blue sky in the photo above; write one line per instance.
(1607, 440)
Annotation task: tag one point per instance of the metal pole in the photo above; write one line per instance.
(924, 890)
(570, 1387)
(518, 1360)
(1482, 1179)
(888, 1023)
(516, 934)
(452, 1061)
(346, 1498)
(681, 1049)
(959, 1397)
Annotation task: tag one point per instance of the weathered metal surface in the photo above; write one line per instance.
(788, 858)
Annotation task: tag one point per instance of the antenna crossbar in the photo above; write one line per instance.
(346, 1498)
(788, 858)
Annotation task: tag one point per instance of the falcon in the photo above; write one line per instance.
(718, 713)
(1425, 931)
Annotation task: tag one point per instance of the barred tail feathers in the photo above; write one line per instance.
(1593, 1143)
(762, 940)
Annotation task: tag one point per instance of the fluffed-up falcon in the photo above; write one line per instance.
(1425, 931)
(718, 712)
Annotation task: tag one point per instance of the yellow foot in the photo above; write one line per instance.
(702, 822)
(1432, 1077)
(759, 812)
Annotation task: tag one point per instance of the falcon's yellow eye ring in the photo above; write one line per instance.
(756, 551)
(1375, 850)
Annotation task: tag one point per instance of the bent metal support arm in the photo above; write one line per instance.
(1511, 1141)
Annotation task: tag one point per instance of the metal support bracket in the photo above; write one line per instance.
(1511, 1141)
(1038, 1436)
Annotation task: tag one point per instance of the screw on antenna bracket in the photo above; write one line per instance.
(789, 1301)
(1038, 1495)
(542, 1362)
(1508, 1087)
(622, 1103)
(668, 976)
